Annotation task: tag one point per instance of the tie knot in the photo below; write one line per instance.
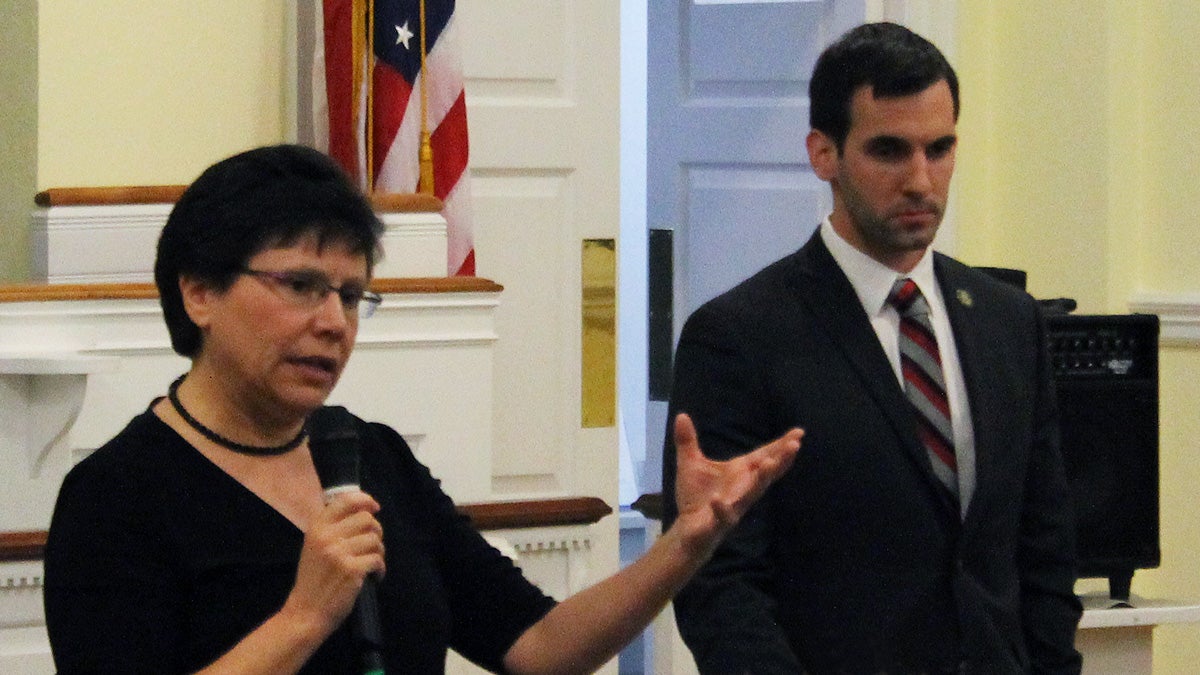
(907, 298)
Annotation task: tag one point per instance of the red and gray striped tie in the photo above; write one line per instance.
(921, 364)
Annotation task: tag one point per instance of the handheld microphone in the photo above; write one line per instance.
(334, 443)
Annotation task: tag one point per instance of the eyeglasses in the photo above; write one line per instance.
(308, 290)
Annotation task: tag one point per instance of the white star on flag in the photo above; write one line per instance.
(403, 35)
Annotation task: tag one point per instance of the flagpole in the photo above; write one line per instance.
(425, 156)
(357, 35)
(370, 130)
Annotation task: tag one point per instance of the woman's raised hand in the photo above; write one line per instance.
(712, 496)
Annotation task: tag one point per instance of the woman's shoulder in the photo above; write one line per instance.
(115, 491)
(136, 452)
(383, 446)
(388, 460)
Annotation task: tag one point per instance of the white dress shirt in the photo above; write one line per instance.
(872, 282)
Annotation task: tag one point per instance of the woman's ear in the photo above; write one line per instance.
(198, 299)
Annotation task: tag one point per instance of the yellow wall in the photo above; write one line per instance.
(1172, 141)
(144, 92)
(1034, 142)
(18, 132)
(1080, 162)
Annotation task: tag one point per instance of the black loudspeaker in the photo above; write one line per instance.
(1106, 373)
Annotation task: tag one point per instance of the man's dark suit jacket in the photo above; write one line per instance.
(857, 560)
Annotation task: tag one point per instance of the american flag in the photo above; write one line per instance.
(394, 95)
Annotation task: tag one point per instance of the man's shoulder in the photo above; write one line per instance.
(955, 276)
(756, 292)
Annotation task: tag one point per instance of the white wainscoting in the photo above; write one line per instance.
(72, 372)
(24, 649)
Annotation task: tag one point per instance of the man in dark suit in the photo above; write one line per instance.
(925, 526)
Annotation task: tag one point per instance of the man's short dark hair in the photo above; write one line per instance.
(888, 57)
(252, 201)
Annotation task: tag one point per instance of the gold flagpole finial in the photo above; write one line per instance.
(426, 158)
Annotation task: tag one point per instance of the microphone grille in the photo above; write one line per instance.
(334, 443)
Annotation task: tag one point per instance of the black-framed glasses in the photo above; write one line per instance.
(308, 289)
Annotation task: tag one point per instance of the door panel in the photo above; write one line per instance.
(728, 113)
(742, 218)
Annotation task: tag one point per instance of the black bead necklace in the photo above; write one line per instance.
(257, 450)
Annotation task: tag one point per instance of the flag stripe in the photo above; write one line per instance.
(460, 249)
(390, 86)
(450, 148)
(339, 82)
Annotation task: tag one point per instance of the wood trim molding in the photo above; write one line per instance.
(109, 196)
(649, 505)
(23, 546)
(39, 292)
(42, 292)
(405, 203)
(540, 513)
(436, 285)
(18, 546)
(169, 194)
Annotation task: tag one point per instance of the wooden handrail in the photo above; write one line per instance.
(169, 194)
(42, 292)
(21, 546)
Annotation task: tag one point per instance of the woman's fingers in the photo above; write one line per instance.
(352, 534)
(727, 488)
(343, 545)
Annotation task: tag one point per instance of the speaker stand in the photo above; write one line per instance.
(1118, 587)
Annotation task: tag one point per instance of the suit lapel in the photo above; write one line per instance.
(971, 342)
(828, 294)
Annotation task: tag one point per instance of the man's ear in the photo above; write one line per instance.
(822, 154)
(198, 299)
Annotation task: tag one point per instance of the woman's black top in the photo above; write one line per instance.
(158, 561)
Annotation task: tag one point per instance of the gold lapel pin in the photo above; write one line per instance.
(965, 298)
